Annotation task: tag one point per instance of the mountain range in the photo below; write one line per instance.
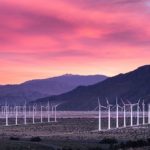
(130, 86)
(35, 89)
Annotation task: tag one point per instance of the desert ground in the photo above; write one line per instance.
(69, 133)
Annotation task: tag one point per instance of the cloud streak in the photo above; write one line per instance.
(73, 36)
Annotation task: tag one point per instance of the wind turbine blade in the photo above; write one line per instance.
(139, 101)
(122, 101)
(129, 102)
(98, 101)
(95, 108)
(104, 107)
(116, 100)
(107, 101)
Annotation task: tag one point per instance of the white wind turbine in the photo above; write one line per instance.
(100, 115)
(117, 113)
(41, 114)
(55, 111)
(124, 114)
(138, 113)
(48, 112)
(109, 117)
(131, 112)
(16, 115)
(143, 105)
(6, 113)
(131, 117)
(25, 113)
(33, 114)
(131, 108)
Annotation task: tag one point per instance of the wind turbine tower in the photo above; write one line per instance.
(138, 113)
(143, 112)
(109, 119)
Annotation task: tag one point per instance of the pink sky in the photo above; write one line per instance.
(45, 38)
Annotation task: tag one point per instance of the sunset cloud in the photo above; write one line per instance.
(45, 38)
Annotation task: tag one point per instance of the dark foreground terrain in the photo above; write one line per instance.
(73, 134)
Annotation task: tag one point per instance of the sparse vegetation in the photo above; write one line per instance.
(14, 138)
(73, 134)
(35, 139)
(109, 141)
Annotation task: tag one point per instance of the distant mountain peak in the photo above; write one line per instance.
(131, 86)
(145, 67)
(68, 74)
(37, 88)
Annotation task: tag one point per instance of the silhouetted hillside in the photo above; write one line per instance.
(130, 86)
(35, 89)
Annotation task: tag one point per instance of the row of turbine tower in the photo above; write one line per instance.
(123, 112)
(25, 112)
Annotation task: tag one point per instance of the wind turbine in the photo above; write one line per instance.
(131, 117)
(25, 113)
(33, 114)
(52, 110)
(143, 105)
(109, 119)
(55, 112)
(6, 113)
(41, 114)
(99, 115)
(124, 114)
(117, 113)
(25, 109)
(131, 113)
(48, 112)
(131, 107)
(138, 113)
(16, 115)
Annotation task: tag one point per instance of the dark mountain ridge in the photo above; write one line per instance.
(34, 89)
(131, 86)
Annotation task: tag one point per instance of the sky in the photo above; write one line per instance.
(45, 38)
